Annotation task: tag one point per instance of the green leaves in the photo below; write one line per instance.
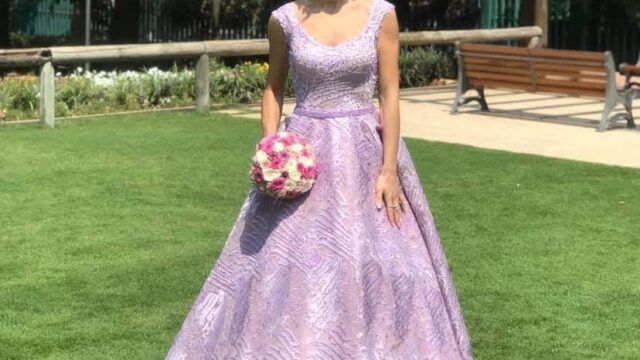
(420, 66)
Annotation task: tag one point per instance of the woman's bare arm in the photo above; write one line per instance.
(388, 185)
(278, 69)
(388, 95)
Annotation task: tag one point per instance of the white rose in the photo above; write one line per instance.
(306, 161)
(278, 146)
(289, 185)
(296, 148)
(270, 174)
(261, 156)
(294, 174)
(290, 165)
(306, 186)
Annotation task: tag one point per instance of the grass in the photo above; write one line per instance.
(109, 227)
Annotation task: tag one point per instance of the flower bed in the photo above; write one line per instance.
(96, 92)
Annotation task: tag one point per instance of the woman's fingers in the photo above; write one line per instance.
(378, 198)
(390, 215)
(393, 207)
(397, 212)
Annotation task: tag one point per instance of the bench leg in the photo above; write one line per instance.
(460, 90)
(482, 99)
(609, 105)
(628, 105)
(460, 100)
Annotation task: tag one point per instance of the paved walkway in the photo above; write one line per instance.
(543, 124)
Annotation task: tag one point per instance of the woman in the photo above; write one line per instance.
(354, 268)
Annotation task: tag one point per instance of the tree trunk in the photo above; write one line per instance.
(124, 29)
(5, 24)
(77, 23)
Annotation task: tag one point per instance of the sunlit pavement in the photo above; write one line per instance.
(543, 124)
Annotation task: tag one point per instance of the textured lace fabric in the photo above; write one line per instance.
(324, 276)
(333, 77)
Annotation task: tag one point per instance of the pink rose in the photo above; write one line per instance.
(283, 156)
(277, 184)
(309, 172)
(256, 174)
(275, 163)
(266, 144)
(300, 167)
(287, 140)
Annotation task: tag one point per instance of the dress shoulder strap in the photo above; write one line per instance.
(379, 8)
(281, 14)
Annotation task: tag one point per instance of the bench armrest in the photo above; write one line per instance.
(628, 69)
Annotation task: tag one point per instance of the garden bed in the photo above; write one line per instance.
(100, 92)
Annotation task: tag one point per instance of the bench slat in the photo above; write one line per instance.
(571, 68)
(505, 57)
(571, 91)
(504, 63)
(501, 84)
(471, 66)
(498, 77)
(563, 84)
(570, 75)
(567, 54)
(493, 49)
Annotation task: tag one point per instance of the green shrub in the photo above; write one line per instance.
(90, 92)
(421, 66)
(19, 97)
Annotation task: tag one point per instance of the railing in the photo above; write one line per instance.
(46, 58)
(600, 26)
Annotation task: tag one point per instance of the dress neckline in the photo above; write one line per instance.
(294, 16)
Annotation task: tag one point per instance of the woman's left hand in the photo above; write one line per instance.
(388, 194)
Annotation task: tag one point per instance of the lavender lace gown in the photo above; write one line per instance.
(325, 276)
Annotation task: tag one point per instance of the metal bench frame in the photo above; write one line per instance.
(613, 96)
(628, 75)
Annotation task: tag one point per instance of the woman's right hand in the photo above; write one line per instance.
(388, 195)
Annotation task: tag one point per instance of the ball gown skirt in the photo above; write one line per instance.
(325, 276)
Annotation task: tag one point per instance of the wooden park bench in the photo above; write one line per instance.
(569, 72)
(630, 71)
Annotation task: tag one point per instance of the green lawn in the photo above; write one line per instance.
(109, 227)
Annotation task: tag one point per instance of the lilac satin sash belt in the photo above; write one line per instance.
(324, 113)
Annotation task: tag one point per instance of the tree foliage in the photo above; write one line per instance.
(632, 6)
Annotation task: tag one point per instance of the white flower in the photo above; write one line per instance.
(261, 156)
(294, 174)
(278, 146)
(289, 185)
(296, 148)
(306, 186)
(270, 174)
(306, 161)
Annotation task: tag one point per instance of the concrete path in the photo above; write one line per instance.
(543, 124)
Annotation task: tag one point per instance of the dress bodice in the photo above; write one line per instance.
(341, 77)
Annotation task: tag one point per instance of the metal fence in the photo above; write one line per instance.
(573, 24)
(55, 18)
(595, 25)
(42, 18)
(500, 14)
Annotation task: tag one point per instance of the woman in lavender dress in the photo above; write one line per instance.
(354, 268)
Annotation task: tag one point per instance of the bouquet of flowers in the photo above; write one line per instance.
(284, 165)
